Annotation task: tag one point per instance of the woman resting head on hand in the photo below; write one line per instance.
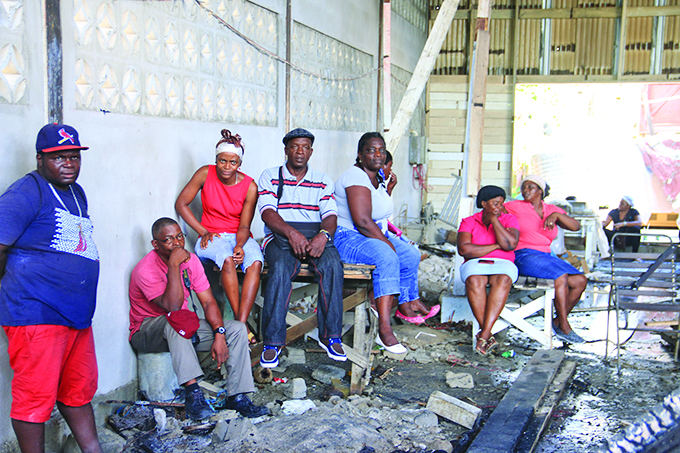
(486, 240)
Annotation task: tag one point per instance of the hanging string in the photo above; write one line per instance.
(276, 57)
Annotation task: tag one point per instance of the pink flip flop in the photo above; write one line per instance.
(433, 311)
(411, 319)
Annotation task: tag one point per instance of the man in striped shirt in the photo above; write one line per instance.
(300, 216)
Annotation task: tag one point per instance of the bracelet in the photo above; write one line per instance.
(625, 223)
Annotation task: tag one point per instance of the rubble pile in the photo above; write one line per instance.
(433, 277)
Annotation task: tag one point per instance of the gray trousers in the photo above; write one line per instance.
(157, 335)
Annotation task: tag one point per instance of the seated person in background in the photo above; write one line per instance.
(626, 220)
(229, 198)
(486, 240)
(387, 174)
(159, 289)
(299, 213)
(537, 221)
(364, 207)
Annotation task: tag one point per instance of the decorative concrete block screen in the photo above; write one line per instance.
(172, 59)
(400, 80)
(13, 70)
(413, 11)
(340, 100)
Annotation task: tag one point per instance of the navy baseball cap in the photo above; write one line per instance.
(58, 137)
(298, 133)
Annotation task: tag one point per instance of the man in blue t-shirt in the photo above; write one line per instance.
(49, 266)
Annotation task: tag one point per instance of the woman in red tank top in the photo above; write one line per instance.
(229, 198)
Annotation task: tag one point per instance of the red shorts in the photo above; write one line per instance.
(51, 363)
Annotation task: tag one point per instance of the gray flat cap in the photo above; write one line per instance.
(298, 133)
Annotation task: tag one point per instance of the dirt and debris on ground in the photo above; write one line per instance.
(390, 416)
(312, 410)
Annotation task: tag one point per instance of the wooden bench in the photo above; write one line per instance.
(515, 315)
(357, 278)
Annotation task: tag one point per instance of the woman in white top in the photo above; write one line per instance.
(364, 206)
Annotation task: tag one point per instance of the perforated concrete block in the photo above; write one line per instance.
(156, 375)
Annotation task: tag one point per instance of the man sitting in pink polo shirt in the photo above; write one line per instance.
(160, 286)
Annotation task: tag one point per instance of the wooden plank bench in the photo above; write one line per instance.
(357, 278)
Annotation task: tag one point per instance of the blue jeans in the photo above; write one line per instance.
(534, 263)
(283, 268)
(395, 273)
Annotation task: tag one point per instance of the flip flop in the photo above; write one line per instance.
(433, 311)
(411, 319)
(251, 337)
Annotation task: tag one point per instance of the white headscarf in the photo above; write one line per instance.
(540, 182)
(226, 147)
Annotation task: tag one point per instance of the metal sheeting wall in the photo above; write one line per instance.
(568, 37)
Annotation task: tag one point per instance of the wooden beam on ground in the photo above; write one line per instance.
(507, 423)
(541, 417)
(421, 74)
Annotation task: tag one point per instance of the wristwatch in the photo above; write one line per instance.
(327, 234)
(219, 330)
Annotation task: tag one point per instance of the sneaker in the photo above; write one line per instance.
(196, 407)
(334, 349)
(572, 337)
(557, 331)
(270, 356)
(242, 404)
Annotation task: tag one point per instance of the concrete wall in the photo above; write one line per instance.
(138, 162)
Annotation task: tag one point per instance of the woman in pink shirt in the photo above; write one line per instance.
(486, 240)
(537, 221)
(229, 198)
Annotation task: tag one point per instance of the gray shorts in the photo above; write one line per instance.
(488, 266)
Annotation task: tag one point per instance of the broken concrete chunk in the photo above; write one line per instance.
(296, 356)
(297, 407)
(238, 427)
(459, 380)
(453, 409)
(325, 373)
(161, 419)
(426, 419)
(209, 390)
(297, 389)
(220, 431)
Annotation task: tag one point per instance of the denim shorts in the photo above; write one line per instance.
(221, 248)
(533, 263)
(488, 266)
(395, 273)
